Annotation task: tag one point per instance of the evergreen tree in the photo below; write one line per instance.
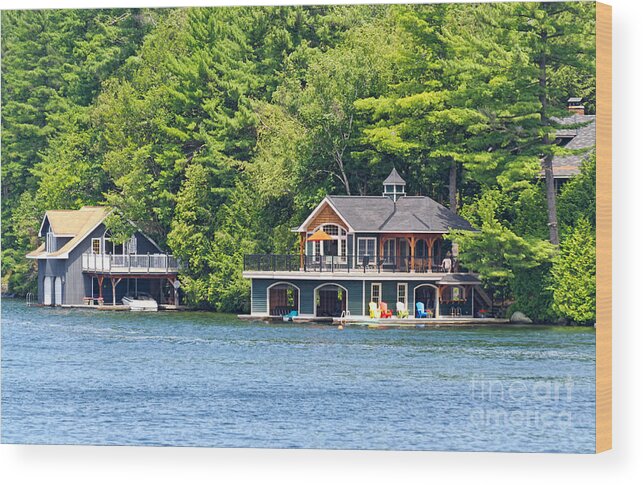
(574, 275)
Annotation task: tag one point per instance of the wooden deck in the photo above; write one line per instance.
(362, 321)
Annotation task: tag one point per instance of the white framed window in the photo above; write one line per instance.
(366, 247)
(331, 229)
(50, 246)
(342, 247)
(402, 291)
(131, 245)
(96, 245)
(376, 292)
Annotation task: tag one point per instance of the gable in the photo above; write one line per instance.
(326, 216)
(324, 213)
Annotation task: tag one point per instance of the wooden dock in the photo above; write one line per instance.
(361, 321)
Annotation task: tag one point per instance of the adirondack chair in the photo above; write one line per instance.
(419, 310)
(374, 310)
(402, 312)
(384, 311)
(290, 316)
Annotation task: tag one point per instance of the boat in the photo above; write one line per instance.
(140, 302)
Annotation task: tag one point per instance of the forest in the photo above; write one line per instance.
(217, 130)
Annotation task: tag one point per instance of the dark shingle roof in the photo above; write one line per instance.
(458, 278)
(394, 178)
(566, 166)
(410, 213)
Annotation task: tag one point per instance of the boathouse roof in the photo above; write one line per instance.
(73, 224)
(407, 214)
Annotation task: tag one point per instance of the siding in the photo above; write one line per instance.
(357, 299)
(77, 285)
(259, 304)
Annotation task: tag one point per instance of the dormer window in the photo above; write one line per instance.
(50, 243)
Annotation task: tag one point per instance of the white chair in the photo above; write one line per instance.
(401, 310)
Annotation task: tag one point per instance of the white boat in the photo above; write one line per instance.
(140, 302)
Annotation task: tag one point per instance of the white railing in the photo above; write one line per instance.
(130, 263)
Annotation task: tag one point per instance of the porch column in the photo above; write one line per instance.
(302, 249)
(438, 299)
(100, 288)
(473, 299)
(429, 243)
(412, 254)
(115, 282)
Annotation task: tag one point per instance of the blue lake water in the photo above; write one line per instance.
(204, 379)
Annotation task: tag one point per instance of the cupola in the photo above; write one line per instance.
(394, 186)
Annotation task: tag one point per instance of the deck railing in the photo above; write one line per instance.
(130, 263)
(339, 264)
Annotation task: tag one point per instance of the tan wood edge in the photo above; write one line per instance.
(603, 227)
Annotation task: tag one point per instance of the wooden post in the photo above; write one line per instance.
(115, 282)
(100, 288)
(412, 254)
(302, 249)
(429, 243)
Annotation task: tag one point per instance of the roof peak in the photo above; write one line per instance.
(394, 178)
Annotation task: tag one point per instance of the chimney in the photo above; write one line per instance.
(575, 106)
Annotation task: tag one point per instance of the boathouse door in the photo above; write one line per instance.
(46, 288)
(330, 301)
(58, 291)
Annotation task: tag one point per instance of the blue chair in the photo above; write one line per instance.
(289, 317)
(419, 310)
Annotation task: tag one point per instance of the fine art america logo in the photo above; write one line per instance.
(536, 404)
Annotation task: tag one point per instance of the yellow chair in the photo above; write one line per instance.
(374, 310)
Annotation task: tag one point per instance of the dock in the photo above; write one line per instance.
(361, 321)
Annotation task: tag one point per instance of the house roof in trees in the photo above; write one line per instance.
(574, 138)
(381, 214)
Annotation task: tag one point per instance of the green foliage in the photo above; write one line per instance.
(216, 130)
(495, 251)
(578, 197)
(574, 274)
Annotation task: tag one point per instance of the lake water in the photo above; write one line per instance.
(200, 379)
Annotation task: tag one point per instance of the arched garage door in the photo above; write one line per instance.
(428, 295)
(282, 299)
(330, 300)
(58, 291)
(47, 289)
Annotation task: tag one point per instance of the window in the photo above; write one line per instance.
(342, 250)
(131, 245)
(51, 241)
(331, 229)
(389, 251)
(402, 289)
(96, 245)
(365, 247)
(376, 292)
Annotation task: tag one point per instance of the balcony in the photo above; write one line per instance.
(339, 264)
(130, 264)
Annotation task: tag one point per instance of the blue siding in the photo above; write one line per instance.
(77, 284)
(259, 304)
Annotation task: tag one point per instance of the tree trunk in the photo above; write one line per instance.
(547, 160)
(453, 187)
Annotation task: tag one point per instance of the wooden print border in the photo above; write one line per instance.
(603, 227)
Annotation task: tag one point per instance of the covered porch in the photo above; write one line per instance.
(109, 289)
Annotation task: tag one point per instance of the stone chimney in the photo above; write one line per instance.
(575, 106)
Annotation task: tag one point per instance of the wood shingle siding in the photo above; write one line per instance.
(326, 216)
